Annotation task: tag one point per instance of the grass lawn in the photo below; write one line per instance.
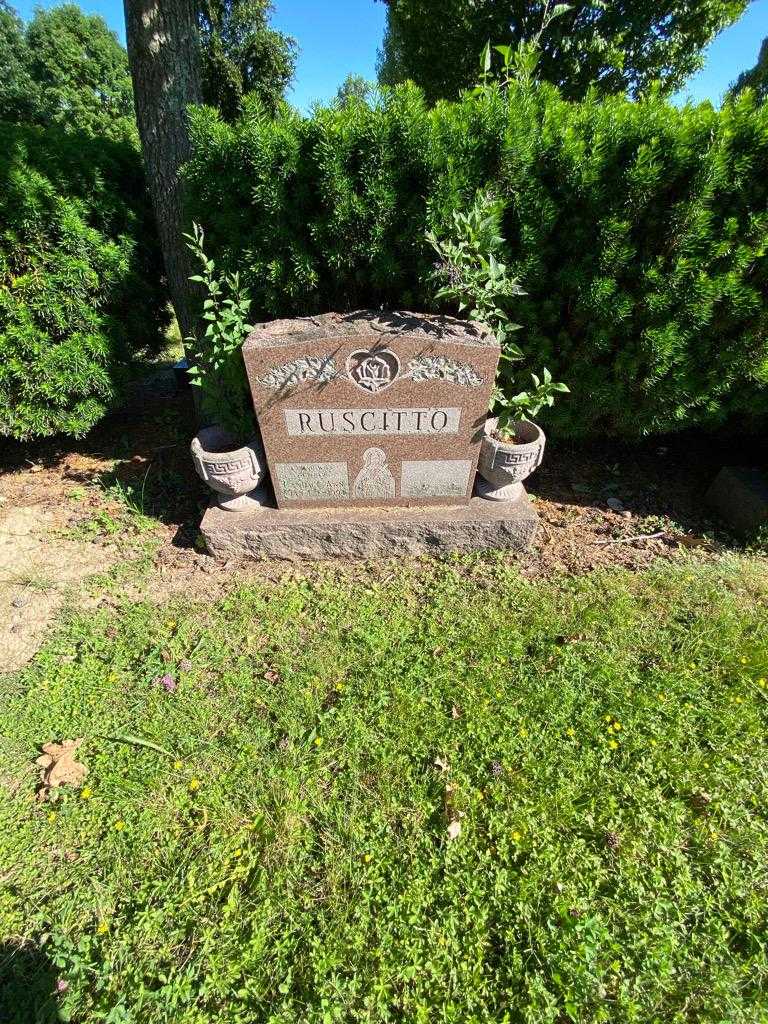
(599, 741)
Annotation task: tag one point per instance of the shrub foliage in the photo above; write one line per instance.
(80, 277)
(637, 229)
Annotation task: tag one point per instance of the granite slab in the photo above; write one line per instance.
(295, 535)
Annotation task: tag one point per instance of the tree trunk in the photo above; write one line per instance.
(163, 45)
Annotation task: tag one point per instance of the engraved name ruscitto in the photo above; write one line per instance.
(355, 422)
(318, 481)
(374, 480)
(436, 478)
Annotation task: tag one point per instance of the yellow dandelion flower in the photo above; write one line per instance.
(113, 677)
(52, 816)
(119, 825)
(761, 681)
(172, 624)
(516, 837)
(480, 795)
(367, 858)
(339, 687)
(103, 928)
(653, 743)
(523, 732)
(238, 853)
(739, 700)
(194, 785)
(608, 718)
(743, 661)
(617, 726)
(661, 696)
(613, 744)
(86, 793)
(178, 765)
(318, 741)
(570, 732)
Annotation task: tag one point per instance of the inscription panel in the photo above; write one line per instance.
(371, 422)
(435, 478)
(319, 481)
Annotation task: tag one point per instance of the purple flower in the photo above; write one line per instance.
(167, 682)
(61, 985)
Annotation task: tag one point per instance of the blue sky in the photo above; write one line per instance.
(337, 37)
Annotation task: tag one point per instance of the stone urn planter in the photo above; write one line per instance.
(503, 465)
(235, 474)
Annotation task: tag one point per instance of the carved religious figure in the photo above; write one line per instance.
(374, 480)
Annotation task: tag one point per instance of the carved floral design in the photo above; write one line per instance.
(323, 370)
(305, 368)
(443, 368)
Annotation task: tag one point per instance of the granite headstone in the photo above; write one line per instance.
(371, 408)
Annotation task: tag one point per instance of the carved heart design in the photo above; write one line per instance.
(373, 371)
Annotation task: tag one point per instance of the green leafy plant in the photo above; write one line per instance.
(217, 359)
(525, 404)
(608, 48)
(470, 272)
(479, 283)
(521, 60)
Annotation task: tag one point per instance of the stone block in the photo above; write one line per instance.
(359, 533)
(739, 496)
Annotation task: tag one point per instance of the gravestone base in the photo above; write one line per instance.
(295, 535)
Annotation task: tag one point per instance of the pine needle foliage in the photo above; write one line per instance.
(80, 278)
(638, 230)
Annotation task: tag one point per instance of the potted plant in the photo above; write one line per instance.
(227, 452)
(472, 276)
(513, 445)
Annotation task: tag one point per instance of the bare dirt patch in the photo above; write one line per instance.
(37, 568)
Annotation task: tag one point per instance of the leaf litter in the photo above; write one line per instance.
(59, 767)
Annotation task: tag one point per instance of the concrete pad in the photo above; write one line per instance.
(295, 535)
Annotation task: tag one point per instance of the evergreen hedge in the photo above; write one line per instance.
(80, 278)
(639, 231)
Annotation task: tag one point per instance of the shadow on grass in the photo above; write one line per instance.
(28, 985)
